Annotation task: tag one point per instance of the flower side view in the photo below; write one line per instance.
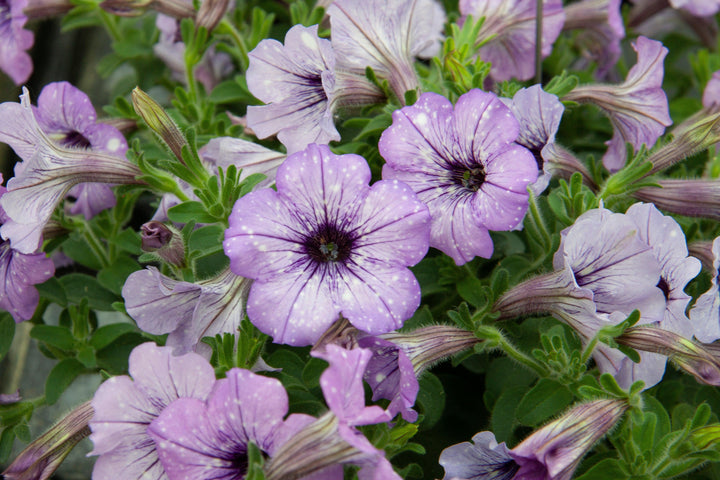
(465, 165)
(15, 41)
(326, 243)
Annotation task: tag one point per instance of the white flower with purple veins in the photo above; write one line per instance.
(15, 41)
(67, 117)
(637, 108)
(297, 82)
(187, 311)
(511, 24)
(326, 243)
(48, 171)
(208, 440)
(125, 407)
(465, 165)
(386, 36)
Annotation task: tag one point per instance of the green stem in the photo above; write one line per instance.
(95, 245)
(538, 220)
(229, 28)
(520, 357)
(110, 23)
(588, 350)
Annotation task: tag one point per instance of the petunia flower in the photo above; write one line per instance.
(47, 173)
(603, 271)
(600, 30)
(399, 358)
(187, 311)
(208, 439)
(509, 33)
(552, 452)
(15, 41)
(333, 439)
(705, 314)
(637, 108)
(325, 243)
(386, 36)
(699, 8)
(246, 156)
(465, 165)
(125, 407)
(66, 115)
(297, 82)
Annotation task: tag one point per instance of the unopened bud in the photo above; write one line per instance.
(210, 13)
(133, 8)
(159, 121)
(703, 251)
(164, 241)
(690, 198)
(43, 456)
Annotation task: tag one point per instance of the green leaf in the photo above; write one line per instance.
(503, 421)
(255, 463)
(59, 337)
(105, 335)
(7, 332)
(312, 371)
(231, 91)
(53, 291)
(187, 211)
(79, 286)
(114, 357)
(60, 377)
(113, 277)
(7, 438)
(472, 290)
(603, 470)
(129, 240)
(206, 240)
(544, 400)
(430, 399)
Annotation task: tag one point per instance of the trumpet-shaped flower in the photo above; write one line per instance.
(47, 173)
(297, 82)
(637, 108)
(15, 41)
(125, 407)
(67, 117)
(509, 30)
(465, 165)
(326, 243)
(187, 311)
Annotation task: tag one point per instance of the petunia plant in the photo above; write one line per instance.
(342, 239)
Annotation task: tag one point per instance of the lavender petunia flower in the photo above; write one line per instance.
(297, 81)
(511, 24)
(711, 94)
(67, 117)
(46, 174)
(207, 440)
(464, 165)
(637, 108)
(539, 114)
(125, 407)
(250, 157)
(484, 459)
(551, 453)
(333, 438)
(187, 311)
(600, 30)
(21, 272)
(386, 36)
(699, 8)
(325, 243)
(15, 41)
(705, 314)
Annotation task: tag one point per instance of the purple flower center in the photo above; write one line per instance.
(74, 139)
(5, 15)
(329, 244)
(239, 463)
(470, 178)
(663, 285)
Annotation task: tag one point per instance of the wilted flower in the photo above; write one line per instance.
(15, 41)
(297, 81)
(125, 407)
(637, 108)
(47, 173)
(465, 165)
(326, 243)
(187, 311)
(208, 439)
(44, 455)
(509, 33)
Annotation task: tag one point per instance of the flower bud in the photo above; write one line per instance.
(210, 13)
(43, 456)
(159, 121)
(164, 241)
(691, 198)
